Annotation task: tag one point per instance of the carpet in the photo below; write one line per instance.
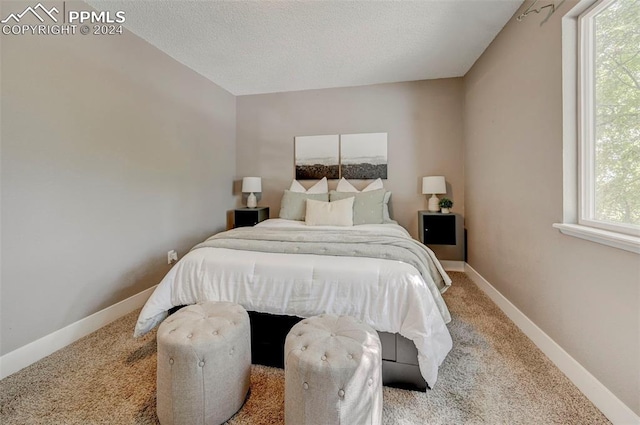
(493, 375)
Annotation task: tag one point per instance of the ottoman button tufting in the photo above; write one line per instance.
(356, 365)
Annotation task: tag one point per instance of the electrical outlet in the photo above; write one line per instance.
(172, 256)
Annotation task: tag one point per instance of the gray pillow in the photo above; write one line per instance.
(386, 214)
(367, 207)
(294, 204)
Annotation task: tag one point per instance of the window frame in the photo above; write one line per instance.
(577, 178)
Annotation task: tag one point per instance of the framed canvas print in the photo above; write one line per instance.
(317, 157)
(363, 156)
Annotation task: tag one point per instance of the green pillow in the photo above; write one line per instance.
(386, 215)
(294, 204)
(367, 207)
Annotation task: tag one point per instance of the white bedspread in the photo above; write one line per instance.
(390, 296)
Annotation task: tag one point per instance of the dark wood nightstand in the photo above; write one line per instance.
(442, 233)
(243, 217)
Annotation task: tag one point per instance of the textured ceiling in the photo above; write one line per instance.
(250, 47)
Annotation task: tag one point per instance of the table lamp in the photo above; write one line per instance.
(433, 185)
(251, 185)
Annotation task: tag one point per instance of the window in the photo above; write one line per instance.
(609, 66)
(605, 127)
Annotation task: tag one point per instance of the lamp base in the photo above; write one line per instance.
(251, 201)
(433, 205)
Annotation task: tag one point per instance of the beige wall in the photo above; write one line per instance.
(112, 154)
(423, 120)
(584, 295)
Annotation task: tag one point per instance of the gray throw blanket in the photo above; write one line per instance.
(352, 243)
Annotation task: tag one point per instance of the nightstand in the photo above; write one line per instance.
(442, 233)
(243, 217)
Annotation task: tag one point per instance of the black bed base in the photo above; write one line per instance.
(399, 355)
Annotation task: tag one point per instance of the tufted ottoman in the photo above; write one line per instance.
(333, 372)
(204, 364)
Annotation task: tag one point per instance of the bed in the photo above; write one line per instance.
(375, 272)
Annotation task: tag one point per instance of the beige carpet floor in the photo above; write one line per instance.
(493, 375)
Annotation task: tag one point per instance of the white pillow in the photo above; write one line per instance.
(374, 185)
(320, 187)
(345, 186)
(337, 213)
(297, 187)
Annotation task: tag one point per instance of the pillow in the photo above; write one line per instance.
(345, 186)
(320, 187)
(367, 206)
(338, 213)
(293, 206)
(374, 185)
(386, 217)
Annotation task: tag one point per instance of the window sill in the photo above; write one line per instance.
(604, 237)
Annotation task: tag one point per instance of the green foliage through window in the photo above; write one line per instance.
(617, 113)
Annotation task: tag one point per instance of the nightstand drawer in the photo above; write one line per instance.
(244, 217)
(438, 229)
(444, 234)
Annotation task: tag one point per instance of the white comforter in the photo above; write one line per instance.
(390, 296)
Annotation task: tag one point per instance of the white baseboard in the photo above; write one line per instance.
(24, 356)
(453, 266)
(610, 405)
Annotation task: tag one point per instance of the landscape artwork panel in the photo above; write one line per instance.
(363, 156)
(317, 157)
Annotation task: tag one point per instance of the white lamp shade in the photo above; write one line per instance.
(251, 185)
(433, 185)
